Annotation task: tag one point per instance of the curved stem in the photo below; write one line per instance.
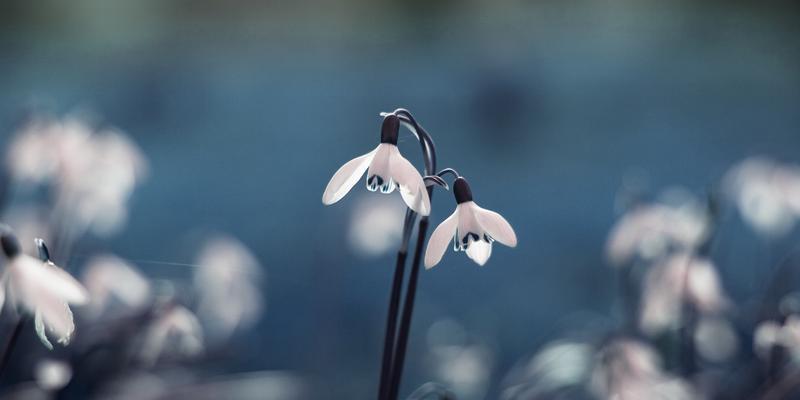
(428, 148)
(448, 171)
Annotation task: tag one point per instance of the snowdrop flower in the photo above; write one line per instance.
(41, 288)
(463, 367)
(770, 334)
(557, 367)
(92, 172)
(766, 193)
(176, 330)
(680, 279)
(649, 231)
(227, 279)
(108, 278)
(386, 170)
(627, 369)
(472, 229)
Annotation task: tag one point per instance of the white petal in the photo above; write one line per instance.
(38, 324)
(57, 319)
(479, 251)
(496, 226)
(2, 291)
(412, 187)
(33, 278)
(381, 165)
(440, 238)
(467, 222)
(107, 276)
(346, 177)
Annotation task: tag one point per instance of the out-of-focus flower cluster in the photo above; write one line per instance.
(91, 172)
(134, 335)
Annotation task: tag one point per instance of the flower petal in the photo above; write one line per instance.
(479, 251)
(439, 240)
(35, 279)
(496, 226)
(38, 323)
(412, 187)
(57, 318)
(2, 291)
(346, 177)
(380, 166)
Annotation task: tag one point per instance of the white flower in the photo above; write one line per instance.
(770, 334)
(108, 277)
(227, 279)
(41, 288)
(176, 331)
(386, 169)
(680, 279)
(472, 228)
(627, 369)
(766, 193)
(649, 231)
(92, 172)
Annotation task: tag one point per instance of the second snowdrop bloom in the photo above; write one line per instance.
(473, 229)
(41, 288)
(386, 170)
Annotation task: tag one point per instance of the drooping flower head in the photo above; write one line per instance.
(386, 170)
(472, 228)
(41, 288)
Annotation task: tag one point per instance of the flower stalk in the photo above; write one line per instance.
(394, 352)
(471, 228)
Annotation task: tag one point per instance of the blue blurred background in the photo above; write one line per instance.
(245, 109)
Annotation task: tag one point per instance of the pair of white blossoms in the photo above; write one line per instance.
(472, 228)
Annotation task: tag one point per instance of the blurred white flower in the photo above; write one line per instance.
(227, 279)
(766, 193)
(92, 173)
(649, 231)
(377, 226)
(259, 385)
(677, 280)
(715, 339)
(626, 369)
(388, 169)
(109, 278)
(770, 333)
(462, 367)
(471, 228)
(176, 331)
(52, 374)
(41, 288)
(557, 366)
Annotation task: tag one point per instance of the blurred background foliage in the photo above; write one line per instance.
(245, 109)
